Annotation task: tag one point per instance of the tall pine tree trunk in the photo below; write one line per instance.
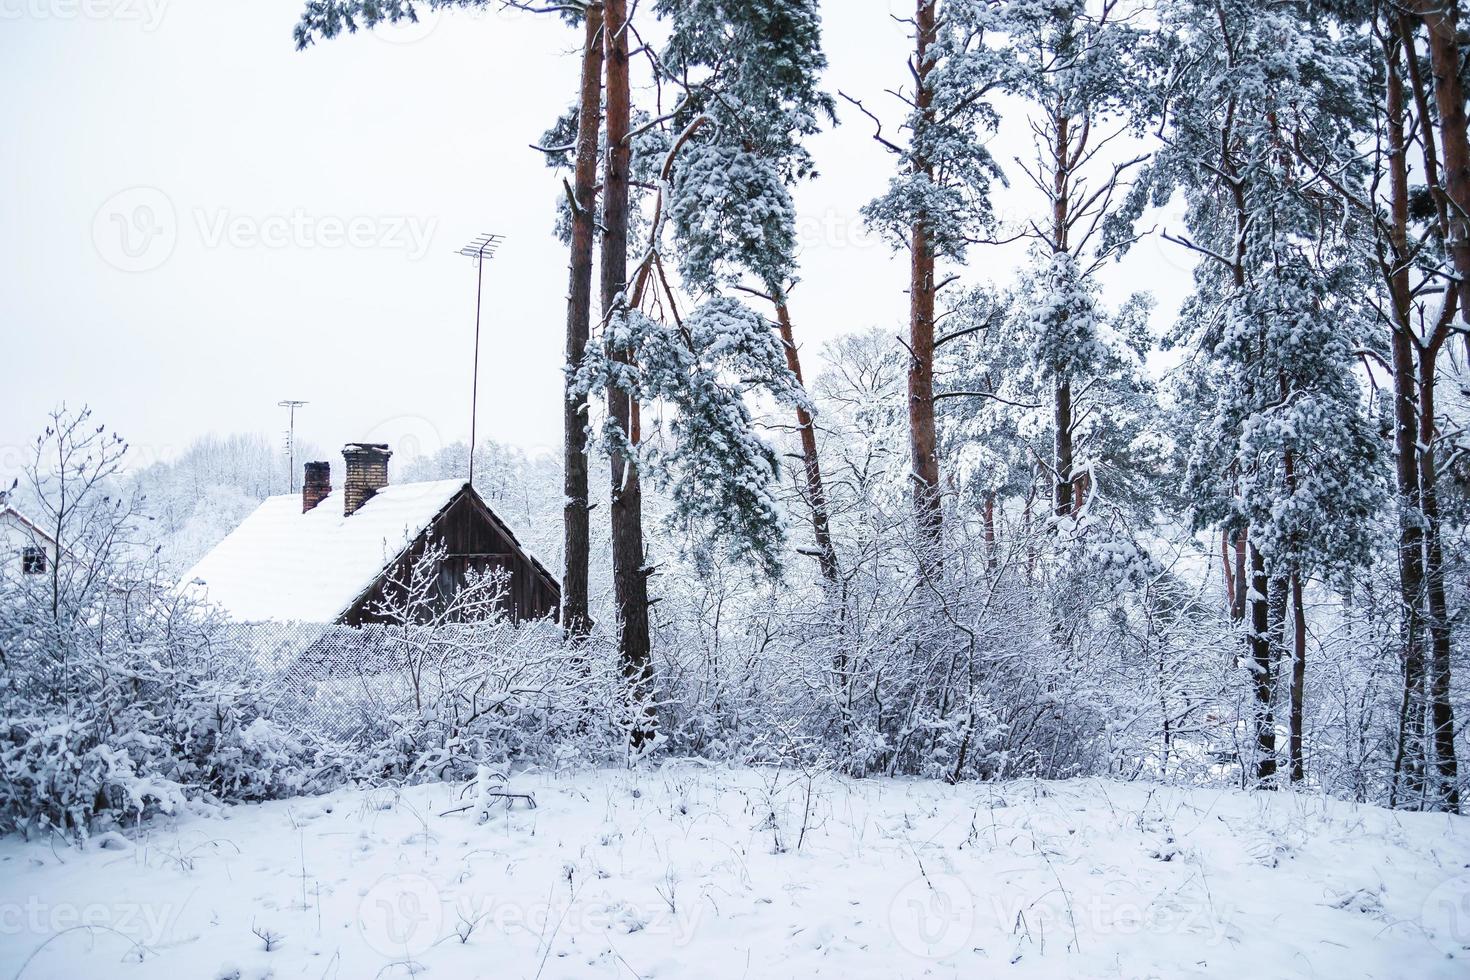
(1233, 548)
(1276, 613)
(1408, 768)
(1441, 711)
(1062, 421)
(1449, 187)
(923, 437)
(1294, 628)
(816, 493)
(1232, 558)
(630, 583)
(576, 517)
(1062, 394)
(1260, 647)
(1441, 18)
(1298, 678)
(1258, 596)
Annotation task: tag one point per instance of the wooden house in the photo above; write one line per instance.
(327, 556)
(26, 550)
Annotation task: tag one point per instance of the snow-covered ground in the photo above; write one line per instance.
(687, 871)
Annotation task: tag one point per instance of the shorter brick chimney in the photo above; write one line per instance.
(316, 486)
(367, 473)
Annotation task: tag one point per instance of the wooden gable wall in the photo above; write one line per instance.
(473, 538)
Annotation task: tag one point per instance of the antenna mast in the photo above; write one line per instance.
(479, 249)
(291, 405)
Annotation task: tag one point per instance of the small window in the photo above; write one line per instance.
(33, 560)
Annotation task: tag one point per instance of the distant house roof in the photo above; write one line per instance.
(8, 512)
(281, 564)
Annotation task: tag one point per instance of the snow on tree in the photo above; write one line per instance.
(1076, 67)
(747, 73)
(705, 452)
(1238, 83)
(939, 202)
(1394, 182)
(746, 77)
(1054, 325)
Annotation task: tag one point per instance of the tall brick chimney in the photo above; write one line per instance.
(367, 473)
(316, 486)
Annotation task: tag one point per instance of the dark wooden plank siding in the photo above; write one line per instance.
(473, 538)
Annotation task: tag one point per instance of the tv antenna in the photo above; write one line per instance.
(479, 249)
(291, 405)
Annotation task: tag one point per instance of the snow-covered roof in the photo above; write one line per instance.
(281, 564)
(9, 514)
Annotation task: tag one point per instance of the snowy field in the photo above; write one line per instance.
(708, 873)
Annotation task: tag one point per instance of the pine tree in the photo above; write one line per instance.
(939, 203)
(998, 379)
(721, 209)
(758, 64)
(574, 143)
(1441, 22)
(1287, 452)
(1076, 69)
(1447, 174)
(630, 574)
(1412, 225)
(984, 409)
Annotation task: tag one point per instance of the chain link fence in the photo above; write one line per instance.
(337, 680)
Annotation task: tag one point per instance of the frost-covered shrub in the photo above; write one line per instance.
(58, 774)
(969, 677)
(497, 694)
(116, 701)
(74, 776)
(126, 742)
(238, 752)
(109, 725)
(456, 684)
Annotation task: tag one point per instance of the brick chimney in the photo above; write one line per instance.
(367, 473)
(316, 486)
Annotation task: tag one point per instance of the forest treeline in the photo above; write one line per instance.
(1311, 432)
(1028, 531)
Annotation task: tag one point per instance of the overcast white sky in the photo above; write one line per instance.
(199, 221)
